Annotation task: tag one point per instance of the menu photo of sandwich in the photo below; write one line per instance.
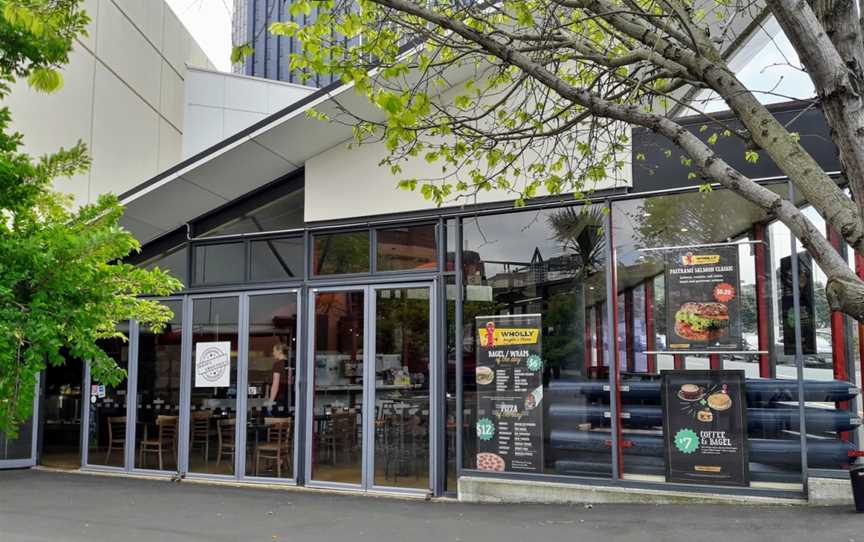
(702, 322)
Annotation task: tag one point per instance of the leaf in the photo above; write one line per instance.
(751, 156)
(45, 80)
(241, 52)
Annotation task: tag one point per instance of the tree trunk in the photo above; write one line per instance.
(829, 43)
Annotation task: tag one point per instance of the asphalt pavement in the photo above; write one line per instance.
(51, 506)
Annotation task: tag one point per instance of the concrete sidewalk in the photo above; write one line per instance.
(49, 506)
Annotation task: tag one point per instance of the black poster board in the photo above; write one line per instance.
(509, 375)
(702, 307)
(705, 427)
(806, 304)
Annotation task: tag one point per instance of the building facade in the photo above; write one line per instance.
(337, 333)
(271, 56)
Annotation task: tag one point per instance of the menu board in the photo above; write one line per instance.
(509, 375)
(702, 288)
(704, 427)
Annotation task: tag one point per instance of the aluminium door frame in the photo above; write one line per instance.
(132, 402)
(34, 433)
(367, 465)
(310, 388)
(131, 366)
(434, 433)
(186, 389)
(299, 412)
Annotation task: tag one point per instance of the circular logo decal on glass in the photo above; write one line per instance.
(213, 364)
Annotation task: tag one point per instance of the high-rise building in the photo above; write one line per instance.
(272, 54)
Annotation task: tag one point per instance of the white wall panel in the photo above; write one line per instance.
(281, 96)
(125, 137)
(172, 95)
(205, 88)
(236, 121)
(245, 94)
(207, 123)
(170, 145)
(147, 16)
(127, 53)
(365, 188)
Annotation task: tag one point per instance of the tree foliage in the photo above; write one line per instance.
(63, 285)
(530, 96)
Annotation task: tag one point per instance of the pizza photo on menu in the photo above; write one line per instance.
(491, 462)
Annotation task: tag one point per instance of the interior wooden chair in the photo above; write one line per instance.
(116, 435)
(166, 439)
(277, 448)
(199, 432)
(225, 432)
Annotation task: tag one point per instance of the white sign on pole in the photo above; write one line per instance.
(213, 365)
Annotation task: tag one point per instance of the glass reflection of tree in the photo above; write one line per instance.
(579, 232)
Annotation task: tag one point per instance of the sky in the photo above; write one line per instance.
(209, 22)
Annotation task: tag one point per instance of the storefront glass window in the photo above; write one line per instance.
(276, 259)
(107, 431)
(340, 253)
(271, 395)
(158, 394)
(546, 270)
(213, 377)
(220, 264)
(702, 253)
(175, 262)
(407, 248)
(280, 213)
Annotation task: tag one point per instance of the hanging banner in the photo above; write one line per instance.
(704, 427)
(509, 376)
(213, 365)
(806, 304)
(702, 289)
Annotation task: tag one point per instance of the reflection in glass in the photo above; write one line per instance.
(340, 253)
(549, 262)
(640, 227)
(220, 264)
(276, 259)
(408, 247)
(63, 406)
(271, 400)
(107, 432)
(337, 380)
(213, 401)
(402, 387)
(279, 213)
(158, 394)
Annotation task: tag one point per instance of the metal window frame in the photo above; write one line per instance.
(34, 434)
(85, 415)
(186, 403)
(132, 403)
(299, 407)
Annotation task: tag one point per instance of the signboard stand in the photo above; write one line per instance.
(705, 427)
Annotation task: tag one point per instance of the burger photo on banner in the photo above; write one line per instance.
(702, 299)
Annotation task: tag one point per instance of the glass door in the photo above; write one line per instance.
(336, 392)
(21, 451)
(370, 420)
(212, 414)
(271, 385)
(400, 389)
